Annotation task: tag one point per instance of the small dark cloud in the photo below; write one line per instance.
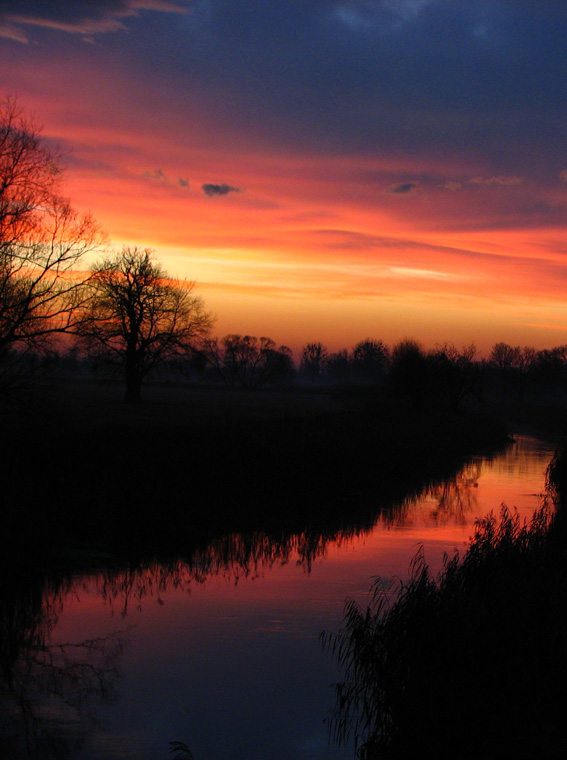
(155, 175)
(402, 188)
(215, 190)
(158, 175)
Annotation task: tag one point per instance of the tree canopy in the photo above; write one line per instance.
(137, 316)
(42, 238)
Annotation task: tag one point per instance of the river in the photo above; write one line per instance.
(221, 651)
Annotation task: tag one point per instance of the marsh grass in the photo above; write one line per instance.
(471, 663)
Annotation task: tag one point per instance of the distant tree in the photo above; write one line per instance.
(516, 366)
(277, 365)
(41, 238)
(456, 373)
(313, 359)
(370, 360)
(409, 371)
(137, 316)
(338, 367)
(248, 361)
(552, 366)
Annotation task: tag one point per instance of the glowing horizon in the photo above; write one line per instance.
(305, 207)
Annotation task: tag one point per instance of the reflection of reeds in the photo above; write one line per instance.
(470, 663)
(180, 751)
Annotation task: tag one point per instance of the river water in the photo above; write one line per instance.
(221, 651)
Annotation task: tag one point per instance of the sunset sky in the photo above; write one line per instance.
(324, 169)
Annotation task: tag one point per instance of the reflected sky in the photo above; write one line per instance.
(220, 650)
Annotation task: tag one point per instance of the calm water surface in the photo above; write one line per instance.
(222, 652)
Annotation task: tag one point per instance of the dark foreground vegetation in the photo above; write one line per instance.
(81, 469)
(472, 663)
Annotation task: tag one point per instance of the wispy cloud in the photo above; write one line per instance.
(453, 186)
(86, 17)
(499, 180)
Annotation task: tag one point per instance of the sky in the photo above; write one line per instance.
(324, 170)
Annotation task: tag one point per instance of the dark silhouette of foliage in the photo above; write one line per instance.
(137, 316)
(474, 659)
(42, 238)
(247, 361)
(516, 366)
(313, 361)
(551, 366)
(338, 368)
(456, 374)
(409, 371)
(370, 361)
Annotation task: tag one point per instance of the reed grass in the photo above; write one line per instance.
(472, 662)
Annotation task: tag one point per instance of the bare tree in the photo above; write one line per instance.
(42, 238)
(138, 316)
(516, 365)
(248, 361)
(313, 360)
(370, 360)
(456, 373)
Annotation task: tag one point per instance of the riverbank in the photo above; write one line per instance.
(472, 661)
(84, 471)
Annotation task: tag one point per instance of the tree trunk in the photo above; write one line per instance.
(133, 383)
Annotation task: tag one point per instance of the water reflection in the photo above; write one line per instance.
(47, 689)
(250, 606)
(450, 502)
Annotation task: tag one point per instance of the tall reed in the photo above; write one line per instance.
(472, 662)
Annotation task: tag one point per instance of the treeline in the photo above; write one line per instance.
(406, 369)
(126, 314)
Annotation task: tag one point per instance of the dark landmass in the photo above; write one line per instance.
(84, 471)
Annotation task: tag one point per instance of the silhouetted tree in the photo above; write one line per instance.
(338, 367)
(409, 374)
(516, 366)
(552, 366)
(370, 360)
(456, 374)
(136, 315)
(313, 359)
(41, 238)
(248, 361)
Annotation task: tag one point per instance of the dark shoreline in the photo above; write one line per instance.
(99, 476)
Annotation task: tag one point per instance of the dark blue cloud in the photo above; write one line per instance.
(213, 191)
(402, 188)
(452, 78)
